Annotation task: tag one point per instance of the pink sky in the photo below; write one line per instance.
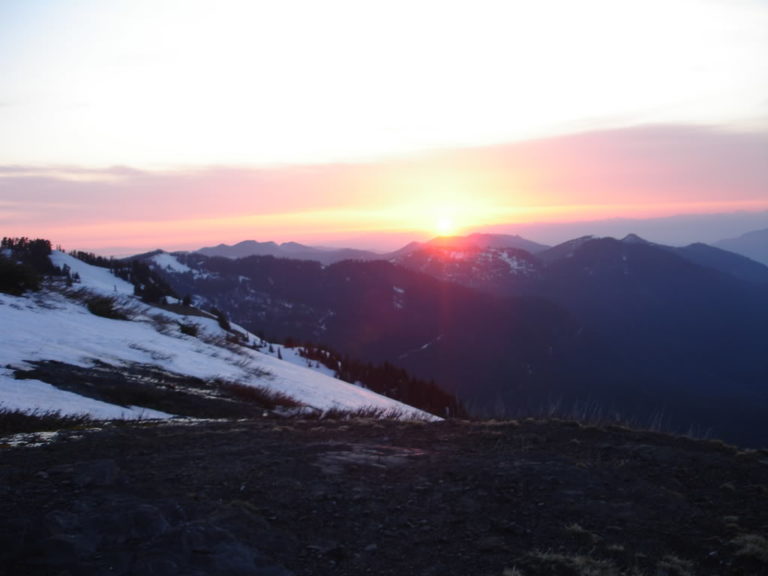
(627, 173)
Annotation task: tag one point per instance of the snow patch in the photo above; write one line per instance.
(32, 395)
(170, 263)
(92, 277)
(398, 298)
(515, 264)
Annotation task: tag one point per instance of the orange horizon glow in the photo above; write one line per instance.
(122, 238)
(579, 178)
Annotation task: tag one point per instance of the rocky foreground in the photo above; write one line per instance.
(278, 497)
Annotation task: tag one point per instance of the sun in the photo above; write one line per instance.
(445, 226)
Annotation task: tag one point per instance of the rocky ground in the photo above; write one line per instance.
(278, 497)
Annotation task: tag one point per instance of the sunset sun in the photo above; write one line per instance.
(445, 226)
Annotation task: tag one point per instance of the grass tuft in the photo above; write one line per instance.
(752, 546)
(190, 329)
(105, 307)
(367, 413)
(554, 563)
(675, 566)
(264, 397)
(19, 421)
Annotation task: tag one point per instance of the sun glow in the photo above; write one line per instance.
(445, 226)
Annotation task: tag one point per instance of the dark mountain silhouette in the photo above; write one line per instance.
(710, 257)
(753, 245)
(480, 241)
(291, 250)
(594, 324)
(505, 271)
(724, 261)
(326, 256)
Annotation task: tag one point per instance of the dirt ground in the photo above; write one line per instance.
(278, 497)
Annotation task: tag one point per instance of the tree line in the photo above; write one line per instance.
(385, 379)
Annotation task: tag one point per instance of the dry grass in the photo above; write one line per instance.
(554, 563)
(17, 421)
(581, 534)
(752, 546)
(674, 566)
(368, 413)
(263, 397)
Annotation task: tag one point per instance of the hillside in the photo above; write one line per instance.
(93, 348)
(269, 497)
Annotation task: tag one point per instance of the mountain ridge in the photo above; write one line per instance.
(753, 245)
(324, 255)
(633, 327)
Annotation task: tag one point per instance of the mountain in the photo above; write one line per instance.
(666, 327)
(84, 344)
(753, 245)
(596, 324)
(490, 262)
(711, 257)
(379, 312)
(291, 250)
(725, 261)
(480, 241)
(506, 271)
(473, 242)
(327, 256)
(471, 265)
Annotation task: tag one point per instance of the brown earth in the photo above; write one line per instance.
(307, 497)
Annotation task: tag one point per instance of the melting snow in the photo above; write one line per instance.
(514, 263)
(398, 300)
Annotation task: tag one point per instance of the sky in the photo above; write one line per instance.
(134, 124)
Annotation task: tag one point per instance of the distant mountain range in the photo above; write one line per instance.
(297, 251)
(616, 326)
(291, 250)
(753, 245)
(491, 266)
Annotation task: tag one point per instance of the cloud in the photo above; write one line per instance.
(640, 165)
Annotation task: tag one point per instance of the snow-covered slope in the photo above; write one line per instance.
(54, 326)
(95, 279)
(170, 263)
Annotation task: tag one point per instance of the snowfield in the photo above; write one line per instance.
(169, 262)
(49, 325)
(93, 278)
